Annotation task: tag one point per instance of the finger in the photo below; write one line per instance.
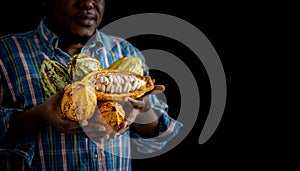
(95, 126)
(70, 126)
(139, 104)
(125, 124)
(158, 89)
(96, 136)
(73, 125)
(131, 117)
(59, 94)
(77, 131)
(66, 87)
(112, 135)
(124, 129)
(106, 136)
(95, 132)
(55, 99)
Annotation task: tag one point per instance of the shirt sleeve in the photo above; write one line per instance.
(24, 147)
(168, 129)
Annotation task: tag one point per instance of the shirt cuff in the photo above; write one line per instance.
(168, 128)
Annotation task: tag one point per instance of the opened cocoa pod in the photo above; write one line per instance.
(116, 84)
(79, 101)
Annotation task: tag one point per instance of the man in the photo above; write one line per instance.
(33, 133)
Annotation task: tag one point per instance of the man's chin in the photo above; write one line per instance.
(84, 32)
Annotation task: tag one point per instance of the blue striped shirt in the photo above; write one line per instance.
(21, 56)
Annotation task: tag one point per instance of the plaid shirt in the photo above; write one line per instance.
(21, 56)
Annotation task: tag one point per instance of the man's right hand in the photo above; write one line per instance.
(50, 114)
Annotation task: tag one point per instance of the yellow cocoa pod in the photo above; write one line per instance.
(54, 77)
(112, 113)
(128, 63)
(81, 64)
(116, 84)
(79, 101)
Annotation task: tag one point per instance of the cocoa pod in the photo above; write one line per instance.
(116, 84)
(79, 101)
(112, 113)
(54, 77)
(128, 63)
(81, 64)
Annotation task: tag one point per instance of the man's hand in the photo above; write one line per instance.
(50, 114)
(53, 117)
(140, 115)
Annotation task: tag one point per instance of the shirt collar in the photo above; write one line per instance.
(49, 40)
(94, 44)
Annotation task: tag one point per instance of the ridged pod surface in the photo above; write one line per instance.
(112, 113)
(54, 77)
(116, 84)
(79, 101)
(128, 63)
(81, 64)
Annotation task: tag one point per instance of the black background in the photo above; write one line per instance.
(238, 33)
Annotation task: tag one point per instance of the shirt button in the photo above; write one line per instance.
(95, 155)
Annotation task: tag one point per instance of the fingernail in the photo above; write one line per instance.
(125, 99)
(107, 137)
(102, 128)
(67, 86)
(84, 123)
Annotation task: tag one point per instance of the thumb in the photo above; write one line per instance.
(158, 89)
(59, 94)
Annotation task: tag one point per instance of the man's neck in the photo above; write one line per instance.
(71, 49)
